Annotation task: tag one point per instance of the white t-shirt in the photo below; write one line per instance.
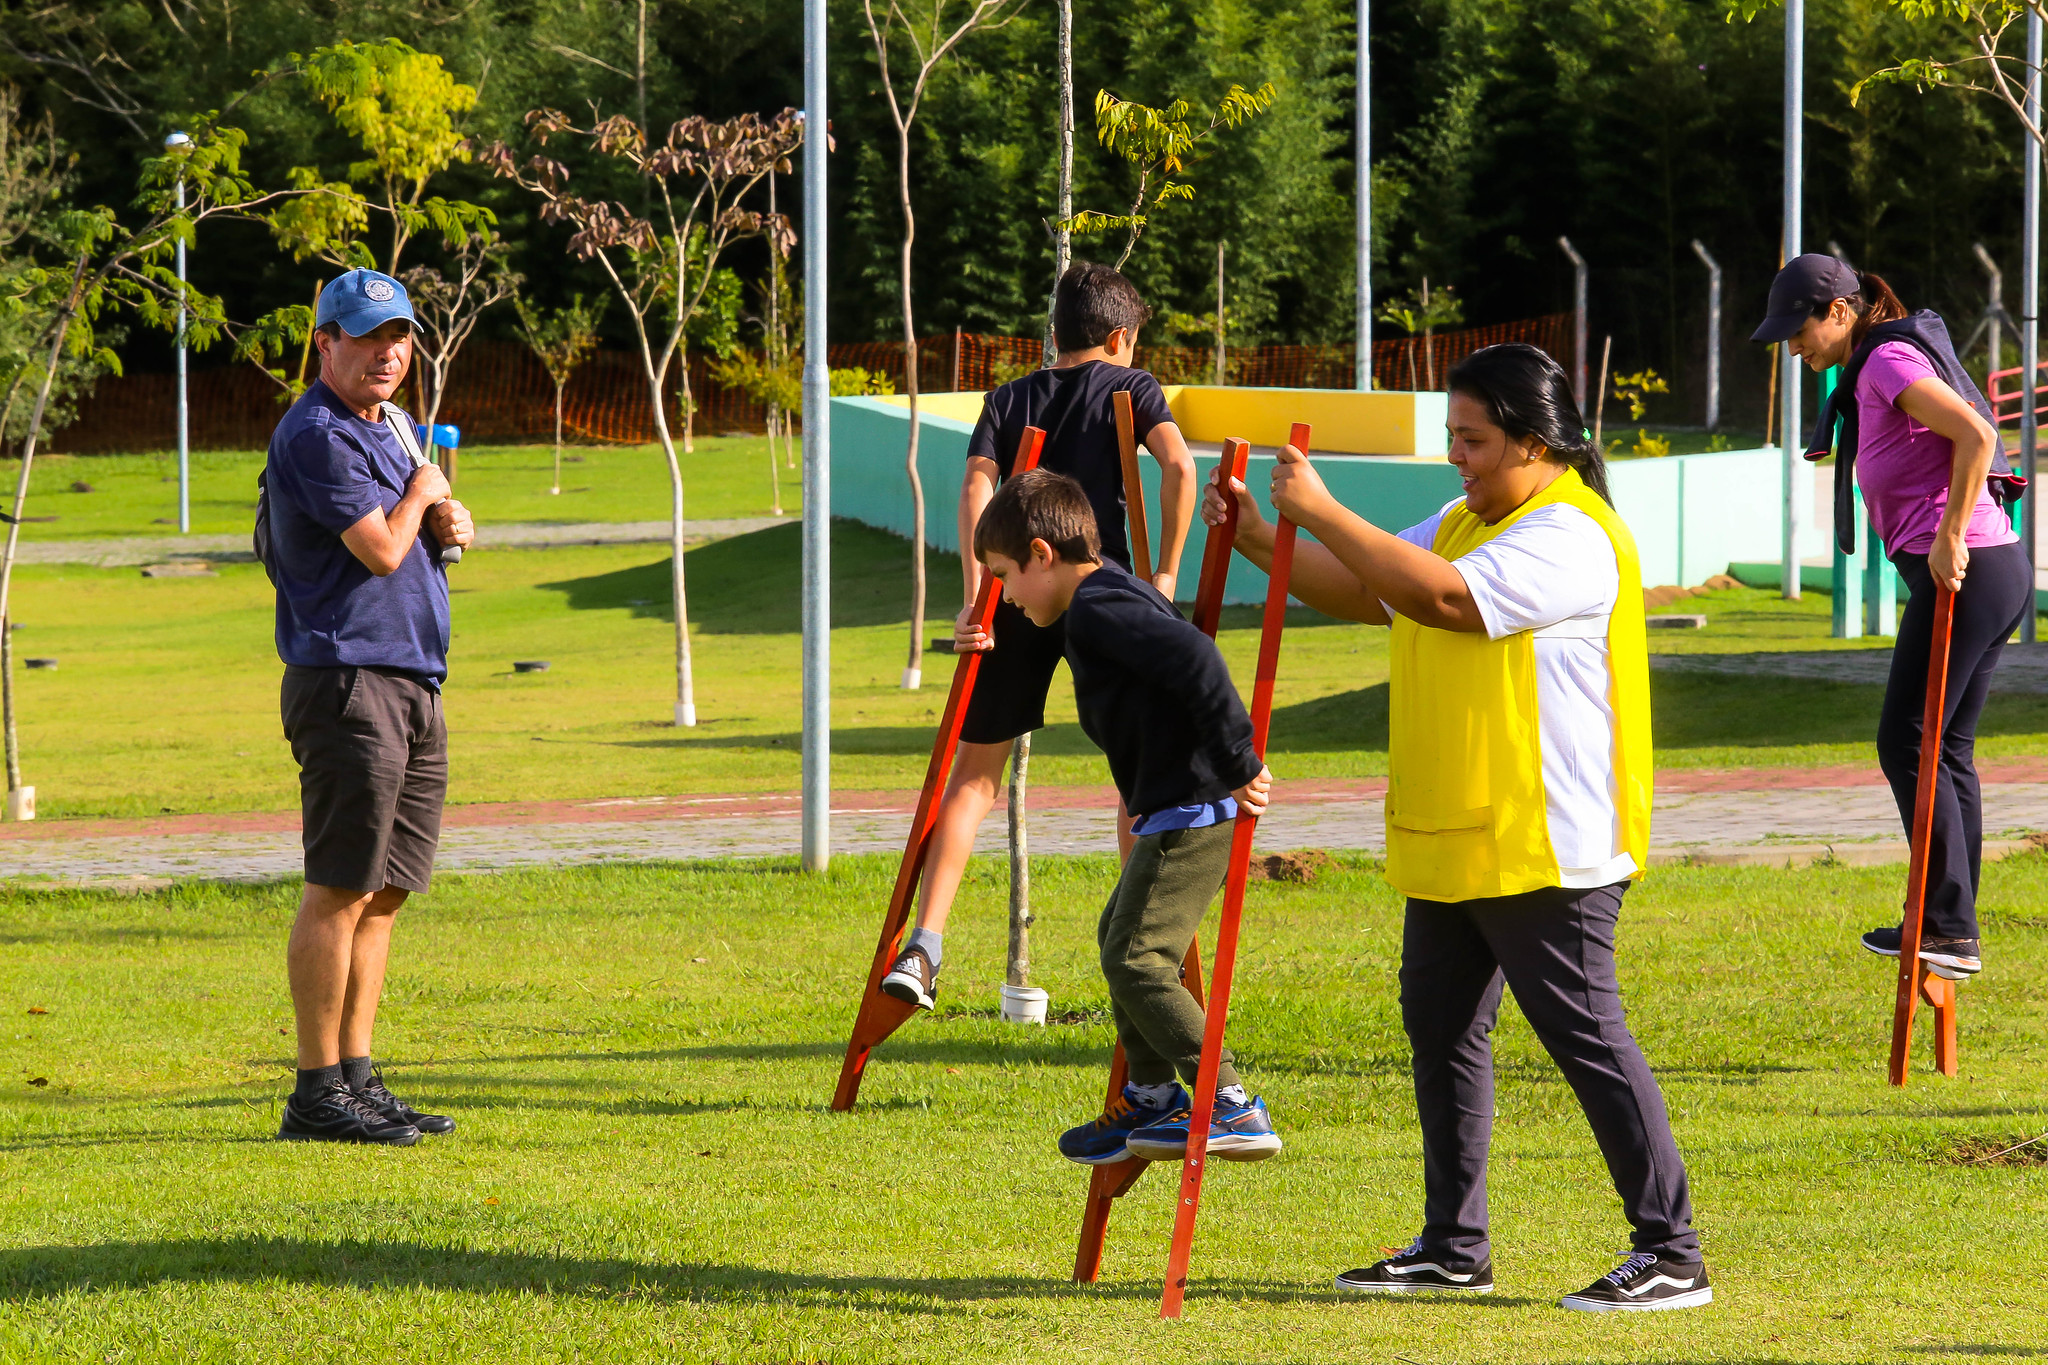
(1553, 573)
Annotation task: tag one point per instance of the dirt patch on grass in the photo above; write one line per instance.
(2007, 1150)
(1298, 865)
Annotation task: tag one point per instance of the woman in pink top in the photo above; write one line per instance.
(1917, 435)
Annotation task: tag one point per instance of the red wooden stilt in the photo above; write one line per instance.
(1203, 1103)
(1110, 1183)
(1914, 978)
(881, 1015)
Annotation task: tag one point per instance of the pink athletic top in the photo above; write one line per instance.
(1903, 468)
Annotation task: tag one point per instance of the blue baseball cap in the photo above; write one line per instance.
(361, 301)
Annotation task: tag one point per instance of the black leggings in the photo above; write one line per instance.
(1998, 591)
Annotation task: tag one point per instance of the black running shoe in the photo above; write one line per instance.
(1956, 959)
(1418, 1271)
(378, 1095)
(1644, 1283)
(341, 1115)
(913, 979)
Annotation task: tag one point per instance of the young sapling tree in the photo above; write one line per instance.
(561, 339)
(448, 308)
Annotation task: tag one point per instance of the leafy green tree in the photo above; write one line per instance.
(699, 178)
(1159, 144)
(561, 339)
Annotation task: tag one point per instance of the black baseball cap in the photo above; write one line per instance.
(1806, 284)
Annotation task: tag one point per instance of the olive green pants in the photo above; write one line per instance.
(1146, 928)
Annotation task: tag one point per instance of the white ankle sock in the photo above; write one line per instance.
(1154, 1096)
(1232, 1095)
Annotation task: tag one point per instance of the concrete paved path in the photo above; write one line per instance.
(1756, 816)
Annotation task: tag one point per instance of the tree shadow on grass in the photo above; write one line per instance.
(1046, 1046)
(54, 1271)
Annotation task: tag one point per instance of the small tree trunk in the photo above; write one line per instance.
(689, 401)
(1063, 203)
(28, 455)
(774, 467)
(1019, 973)
(558, 436)
(913, 671)
(686, 692)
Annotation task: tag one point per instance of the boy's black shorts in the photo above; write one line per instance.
(372, 749)
(1010, 688)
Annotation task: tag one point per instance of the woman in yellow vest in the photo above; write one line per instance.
(1518, 802)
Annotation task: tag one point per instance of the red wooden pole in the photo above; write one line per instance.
(1110, 1183)
(1134, 485)
(1202, 1104)
(881, 1015)
(1910, 970)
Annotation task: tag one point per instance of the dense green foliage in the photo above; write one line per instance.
(1631, 125)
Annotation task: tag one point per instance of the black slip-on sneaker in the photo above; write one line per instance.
(1418, 1271)
(1954, 959)
(379, 1097)
(341, 1115)
(1644, 1283)
(912, 979)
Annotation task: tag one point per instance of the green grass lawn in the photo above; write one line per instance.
(639, 1060)
(137, 495)
(165, 698)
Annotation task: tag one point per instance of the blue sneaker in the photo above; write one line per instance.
(1237, 1132)
(1101, 1142)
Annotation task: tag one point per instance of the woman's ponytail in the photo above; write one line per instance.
(1873, 302)
(1527, 395)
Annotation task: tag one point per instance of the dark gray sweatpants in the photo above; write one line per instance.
(1555, 949)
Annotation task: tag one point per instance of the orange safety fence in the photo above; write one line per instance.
(499, 394)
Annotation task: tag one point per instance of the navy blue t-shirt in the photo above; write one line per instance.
(328, 469)
(1075, 408)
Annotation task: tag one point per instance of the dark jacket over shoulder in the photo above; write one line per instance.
(1155, 695)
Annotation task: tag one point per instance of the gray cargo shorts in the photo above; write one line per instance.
(373, 773)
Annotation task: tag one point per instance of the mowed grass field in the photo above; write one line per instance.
(639, 1060)
(165, 694)
(137, 495)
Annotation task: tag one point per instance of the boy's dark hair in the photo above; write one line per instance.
(1092, 301)
(1038, 505)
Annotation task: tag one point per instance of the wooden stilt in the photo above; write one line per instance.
(1914, 978)
(881, 1015)
(1110, 1183)
(1134, 486)
(1203, 1102)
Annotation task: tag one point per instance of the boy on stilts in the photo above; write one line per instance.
(1096, 316)
(1154, 693)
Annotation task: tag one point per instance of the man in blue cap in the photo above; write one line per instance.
(355, 535)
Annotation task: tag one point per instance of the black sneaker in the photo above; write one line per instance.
(379, 1097)
(913, 979)
(341, 1115)
(1955, 959)
(1644, 1283)
(1418, 1271)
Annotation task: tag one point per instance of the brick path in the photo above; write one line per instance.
(1755, 816)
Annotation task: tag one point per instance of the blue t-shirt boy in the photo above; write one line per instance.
(327, 470)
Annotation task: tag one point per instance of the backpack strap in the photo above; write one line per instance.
(401, 424)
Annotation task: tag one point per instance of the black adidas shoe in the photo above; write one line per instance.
(1418, 1271)
(1644, 1283)
(913, 979)
(379, 1097)
(341, 1115)
(1956, 959)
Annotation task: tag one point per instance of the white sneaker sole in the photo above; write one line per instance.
(1699, 1298)
(1941, 964)
(907, 988)
(1346, 1288)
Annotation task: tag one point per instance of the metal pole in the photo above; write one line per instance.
(817, 575)
(1362, 207)
(1578, 323)
(1994, 310)
(184, 423)
(1713, 335)
(2030, 308)
(1795, 472)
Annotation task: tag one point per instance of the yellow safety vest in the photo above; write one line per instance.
(1466, 815)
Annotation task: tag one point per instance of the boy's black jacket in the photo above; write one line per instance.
(1928, 334)
(1155, 696)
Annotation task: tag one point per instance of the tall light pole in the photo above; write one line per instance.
(1713, 334)
(1362, 208)
(1789, 439)
(2030, 307)
(817, 577)
(184, 424)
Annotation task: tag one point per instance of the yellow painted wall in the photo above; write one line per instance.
(1346, 422)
